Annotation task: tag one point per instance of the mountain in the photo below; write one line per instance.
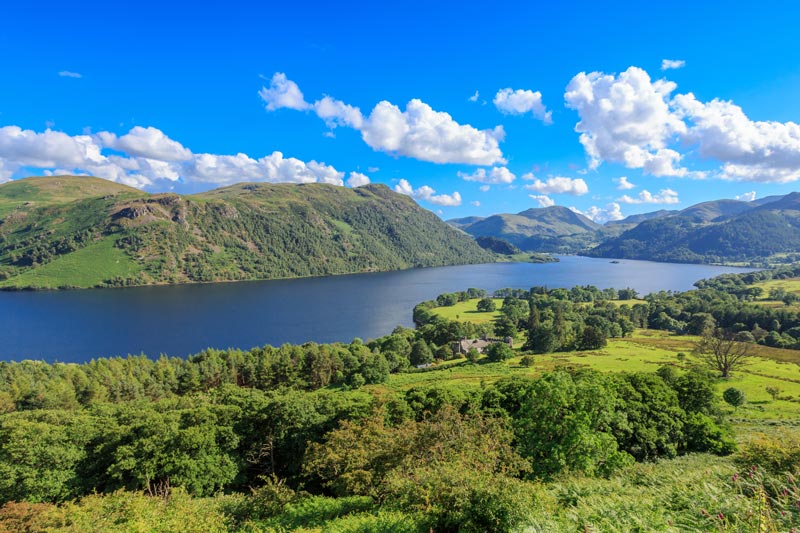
(721, 231)
(632, 220)
(85, 232)
(460, 223)
(709, 211)
(544, 229)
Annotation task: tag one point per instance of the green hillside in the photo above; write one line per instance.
(86, 232)
(552, 229)
(711, 232)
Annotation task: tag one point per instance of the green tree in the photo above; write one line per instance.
(734, 397)
(701, 324)
(592, 339)
(499, 351)
(421, 353)
(486, 305)
(564, 425)
(505, 327)
(473, 355)
(542, 340)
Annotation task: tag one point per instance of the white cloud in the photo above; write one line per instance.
(559, 185)
(144, 156)
(428, 194)
(519, 102)
(750, 150)
(542, 200)
(632, 120)
(623, 184)
(664, 196)
(282, 92)
(496, 176)
(485, 188)
(373, 169)
(337, 113)
(428, 135)
(146, 142)
(474, 97)
(69, 74)
(418, 131)
(746, 197)
(669, 64)
(357, 179)
(227, 169)
(611, 212)
(626, 119)
(476, 203)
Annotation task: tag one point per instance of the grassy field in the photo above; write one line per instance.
(645, 351)
(83, 268)
(467, 311)
(791, 285)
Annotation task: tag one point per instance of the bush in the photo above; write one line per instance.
(499, 351)
(452, 498)
(779, 453)
(486, 305)
(734, 397)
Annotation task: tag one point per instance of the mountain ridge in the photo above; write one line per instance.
(708, 232)
(85, 234)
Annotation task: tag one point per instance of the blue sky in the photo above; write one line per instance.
(186, 98)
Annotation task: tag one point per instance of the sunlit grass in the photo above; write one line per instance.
(87, 267)
(645, 351)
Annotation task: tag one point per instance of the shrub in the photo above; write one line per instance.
(778, 453)
(734, 397)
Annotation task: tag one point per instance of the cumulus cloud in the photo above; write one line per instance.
(474, 97)
(542, 200)
(484, 188)
(495, 176)
(623, 184)
(282, 92)
(476, 203)
(428, 194)
(357, 179)
(69, 74)
(146, 142)
(750, 150)
(635, 121)
(664, 196)
(418, 131)
(521, 101)
(428, 135)
(337, 113)
(626, 119)
(559, 185)
(671, 64)
(146, 155)
(746, 197)
(611, 212)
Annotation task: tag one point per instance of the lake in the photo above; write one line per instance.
(76, 326)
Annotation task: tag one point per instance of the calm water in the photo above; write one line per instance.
(180, 320)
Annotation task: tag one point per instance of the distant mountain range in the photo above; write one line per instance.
(709, 232)
(84, 232)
